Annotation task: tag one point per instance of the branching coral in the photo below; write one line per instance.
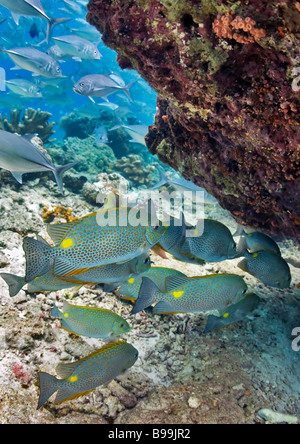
(33, 122)
(242, 30)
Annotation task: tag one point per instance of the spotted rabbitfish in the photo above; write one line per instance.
(90, 321)
(81, 377)
(189, 295)
(90, 243)
(130, 289)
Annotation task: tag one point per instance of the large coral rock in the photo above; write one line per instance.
(228, 78)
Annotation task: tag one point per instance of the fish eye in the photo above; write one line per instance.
(58, 69)
(244, 291)
(82, 84)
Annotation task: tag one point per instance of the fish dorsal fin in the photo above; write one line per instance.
(58, 232)
(173, 282)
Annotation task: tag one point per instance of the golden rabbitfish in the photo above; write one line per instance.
(90, 321)
(188, 295)
(105, 274)
(130, 289)
(81, 377)
(89, 242)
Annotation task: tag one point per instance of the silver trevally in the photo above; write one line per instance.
(35, 61)
(19, 156)
(101, 137)
(100, 85)
(182, 185)
(23, 88)
(32, 8)
(87, 32)
(137, 132)
(57, 53)
(76, 46)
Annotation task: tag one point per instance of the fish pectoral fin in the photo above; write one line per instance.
(58, 232)
(18, 176)
(64, 371)
(173, 282)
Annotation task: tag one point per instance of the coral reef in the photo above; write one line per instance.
(58, 212)
(32, 122)
(228, 115)
(76, 125)
(92, 159)
(134, 169)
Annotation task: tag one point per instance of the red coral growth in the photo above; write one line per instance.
(239, 29)
(22, 375)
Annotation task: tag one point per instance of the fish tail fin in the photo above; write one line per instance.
(148, 294)
(55, 313)
(58, 173)
(241, 248)
(163, 180)
(48, 386)
(51, 24)
(37, 263)
(127, 89)
(15, 283)
(210, 323)
(239, 231)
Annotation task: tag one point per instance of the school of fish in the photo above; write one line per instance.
(112, 247)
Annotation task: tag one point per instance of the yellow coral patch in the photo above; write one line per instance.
(67, 243)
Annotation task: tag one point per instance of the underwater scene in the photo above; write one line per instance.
(149, 212)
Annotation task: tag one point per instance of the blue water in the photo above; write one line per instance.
(19, 36)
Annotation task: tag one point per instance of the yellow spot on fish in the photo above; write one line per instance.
(66, 315)
(254, 255)
(67, 243)
(131, 281)
(249, 234)
(73, 378)
(196, 233)
(178, 294)
(225, 315)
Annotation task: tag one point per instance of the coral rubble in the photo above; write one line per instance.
(229, 100)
